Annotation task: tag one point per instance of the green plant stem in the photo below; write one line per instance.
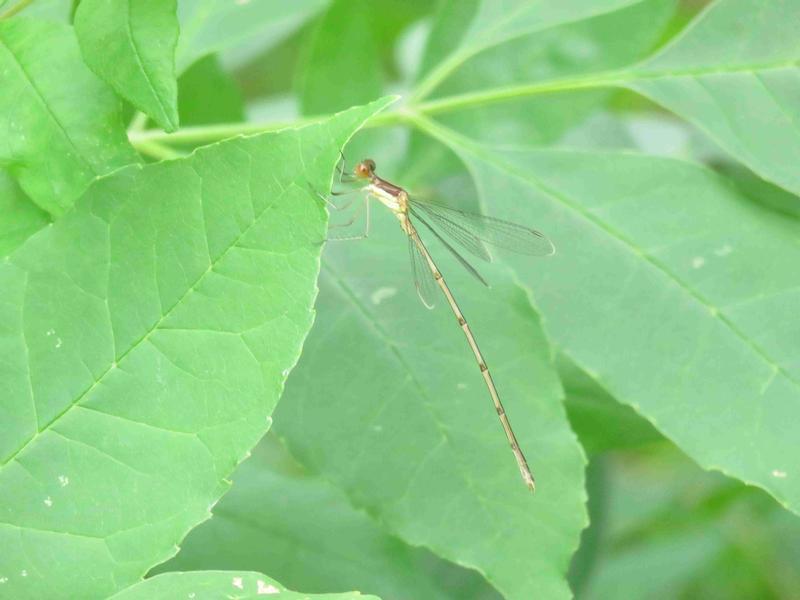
(138, 122)
(18, 7)
(157, 150)
(503, 94)
(403, 115)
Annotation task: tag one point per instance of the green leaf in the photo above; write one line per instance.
(210, 585)
(19, 217)
(585, 46)
(275, 510)
(602, 423)
(131, 45)
(209, 26)
(145, 339)
(733, 73)
(62, 126)
(388, 403)
(684, 310)
(670, 530)
(343, 65)
(464, 29)
(207, 94)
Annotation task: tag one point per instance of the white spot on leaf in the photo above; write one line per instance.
(51, 332)
(237, 583)
(779, 474)
(23, 573)
(58, 343)
(461, 386)
(3, 579)
(698, 262)
(266, 588)
(377, 428)
(285, 372)
(48, 502)
(382, 294)
(63, 480)
(724, 250)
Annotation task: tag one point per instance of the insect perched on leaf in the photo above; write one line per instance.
(469, 230)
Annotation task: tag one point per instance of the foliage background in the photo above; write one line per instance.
(650, 368)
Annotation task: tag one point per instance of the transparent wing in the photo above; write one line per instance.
(464, 262)
(472, 230)
(423, 278)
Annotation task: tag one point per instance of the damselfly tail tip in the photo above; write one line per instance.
(527, 477)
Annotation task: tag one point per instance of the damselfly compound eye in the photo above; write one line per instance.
(365, 168)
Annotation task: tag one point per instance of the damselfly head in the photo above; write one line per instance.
(365, 169)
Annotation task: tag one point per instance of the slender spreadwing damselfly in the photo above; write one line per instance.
(471, 231)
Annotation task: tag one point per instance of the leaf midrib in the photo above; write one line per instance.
(135, 47)
(156, 325)
(48, 110)
(457, 142)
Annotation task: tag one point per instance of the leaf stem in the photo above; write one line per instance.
(138, 122)
(501, 94)
(18, 7)
(212, 133)
(157, 150)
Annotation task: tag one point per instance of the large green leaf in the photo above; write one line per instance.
(209, 26)
(601, 423)
(61, 125)
(343, 66)
(389, 404)
(301, 530)
(733, 73)
(585, 46)
(145, 340)
(19, 217)
(464, 29)
(212, 585)
(682, 308)
(668, 529)
(207, 94)
(131, 45)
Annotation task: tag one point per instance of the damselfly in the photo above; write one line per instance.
(470, 231)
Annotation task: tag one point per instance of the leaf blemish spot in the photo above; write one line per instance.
(63, 480)
(698, 262)
(237, 583)
(264, 588)
(3, 579)
(381, 294)
(724, 250)
(285, 372)
(58, 343)
(48, 502)
(779, 474)
(461, 386)
(23, 573)
(51, 332)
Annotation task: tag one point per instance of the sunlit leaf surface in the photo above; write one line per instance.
(145, 340)
(131, 45)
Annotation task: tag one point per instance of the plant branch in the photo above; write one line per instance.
(206, 134)
(503, 94)
(18, 7)
(156, 150)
